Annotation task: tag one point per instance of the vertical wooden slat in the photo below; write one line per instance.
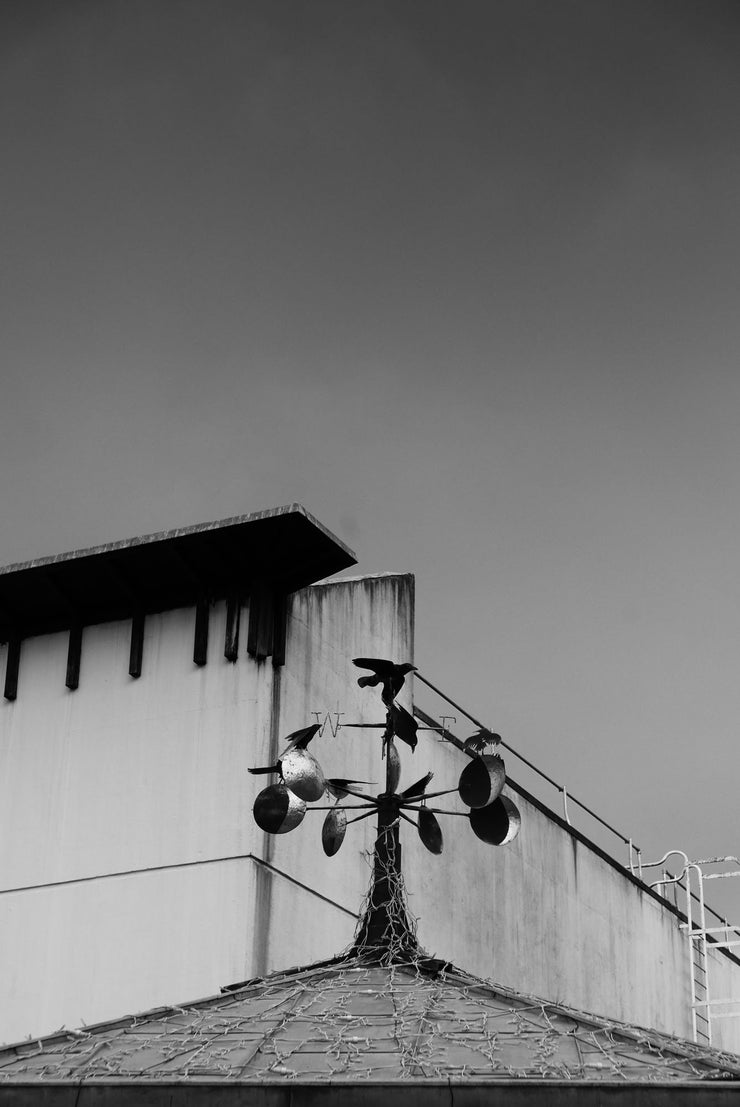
(136, 654)
(266, 626)
(231, 640)
(12, 665)
(280, 620)
(74, 653)
(261, 616)
(253, 623)
(200, 645)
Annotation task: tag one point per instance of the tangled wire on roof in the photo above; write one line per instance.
(382, 1011)
(386, 934)
(350, 1023)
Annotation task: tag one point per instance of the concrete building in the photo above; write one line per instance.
(142, 680)
(382, 1023)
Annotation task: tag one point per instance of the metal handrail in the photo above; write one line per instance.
(568, 796)
(702, 937)
(699, 937)
(671, 878)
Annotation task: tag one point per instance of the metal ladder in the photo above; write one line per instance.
(701, 1011)
(704, 1008)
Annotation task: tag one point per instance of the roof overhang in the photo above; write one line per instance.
(284, 548)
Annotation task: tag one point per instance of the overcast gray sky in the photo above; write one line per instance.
(462, 278)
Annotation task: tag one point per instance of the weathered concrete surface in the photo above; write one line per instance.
(550, 916)
(329, 625)
(126, 775)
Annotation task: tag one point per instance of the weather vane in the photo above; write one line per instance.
(281, 807)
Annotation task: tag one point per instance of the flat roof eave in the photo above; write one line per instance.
(285, 548)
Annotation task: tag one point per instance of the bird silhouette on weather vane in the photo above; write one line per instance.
(281, 807)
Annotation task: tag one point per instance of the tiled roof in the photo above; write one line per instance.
(349, 1022)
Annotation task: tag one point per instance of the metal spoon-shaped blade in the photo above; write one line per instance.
(338, 787)
(394, 767)
(277, 810)
(333, 831)
(302, 737)
(418, 788)
(405, 725)
(475, 783)
(303, 775)
(498, 823)
(481, 780)
(430, 831)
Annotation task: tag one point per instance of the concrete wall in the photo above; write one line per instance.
(123, 776)
(550, 915)
(329, 625)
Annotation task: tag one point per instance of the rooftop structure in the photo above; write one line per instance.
(265, 556)
(349, 1023)
(384, 1016)
(133, 872)
(381, 1023)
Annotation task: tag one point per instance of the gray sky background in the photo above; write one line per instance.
(460, 277)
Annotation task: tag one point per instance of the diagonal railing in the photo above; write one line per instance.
(635, 863)
(634, 852)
